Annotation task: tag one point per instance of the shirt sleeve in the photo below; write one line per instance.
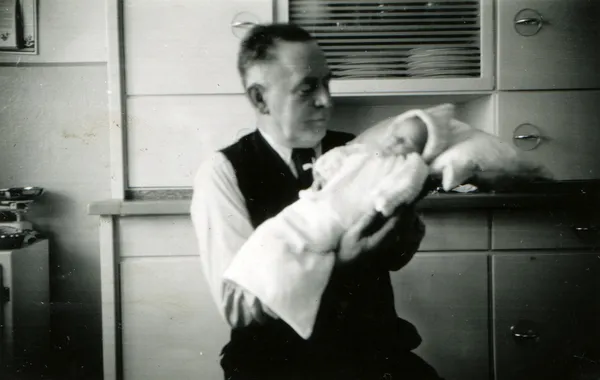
(222, 225)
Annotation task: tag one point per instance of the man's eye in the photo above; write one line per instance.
(307, 89)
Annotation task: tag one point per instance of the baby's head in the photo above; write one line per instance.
(408, 136)
(422, 131)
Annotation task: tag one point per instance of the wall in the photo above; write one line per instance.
(54, 125)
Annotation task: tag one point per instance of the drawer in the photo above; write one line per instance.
(544, 229)
(568, 126)
(554, 300)
(562, 54)
(455, 231)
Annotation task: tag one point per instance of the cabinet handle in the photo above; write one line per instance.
(586, 229)
(529, 21)
(526, 137)
(531, 335)
(242, 24)
(524, 330)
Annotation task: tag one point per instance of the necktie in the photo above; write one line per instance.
(301, 157)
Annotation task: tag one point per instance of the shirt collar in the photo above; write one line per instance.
(284, 152)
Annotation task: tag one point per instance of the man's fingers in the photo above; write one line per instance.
(374, 239)
(357, 228)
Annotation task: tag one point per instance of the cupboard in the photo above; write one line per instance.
(495, 293)
(529, 308)
(547, 44)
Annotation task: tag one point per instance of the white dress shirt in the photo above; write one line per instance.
(222, 225)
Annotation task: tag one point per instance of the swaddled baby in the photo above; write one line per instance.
(410, 141)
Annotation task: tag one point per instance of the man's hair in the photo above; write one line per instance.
(258, 45)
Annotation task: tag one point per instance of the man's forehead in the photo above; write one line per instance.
(293, 60)
(303, 56)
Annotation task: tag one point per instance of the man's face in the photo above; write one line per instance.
(297, 94)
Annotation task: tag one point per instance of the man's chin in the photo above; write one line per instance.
(312, 136)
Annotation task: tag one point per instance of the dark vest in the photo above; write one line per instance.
(357, 321)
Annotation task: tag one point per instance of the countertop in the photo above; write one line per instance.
(542, 195)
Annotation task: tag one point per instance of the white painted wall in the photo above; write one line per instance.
(54, 127)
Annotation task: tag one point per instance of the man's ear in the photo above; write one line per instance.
(256, 94)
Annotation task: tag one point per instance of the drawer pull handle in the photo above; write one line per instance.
(528, 21)
(526, 137)
(586, 229)
(530, 335)
(242, 24)
(524, 330)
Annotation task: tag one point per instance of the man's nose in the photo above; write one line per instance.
(323, 98)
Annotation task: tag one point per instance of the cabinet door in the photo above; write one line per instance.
(186, 46)
(455, 230)
(400, 46)
(445, 295)
(566, 123)
(545, 229)
(546, 314)
(171, 327)
(562, 54)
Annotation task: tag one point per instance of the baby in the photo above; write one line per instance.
(411, 141)
(409, 136)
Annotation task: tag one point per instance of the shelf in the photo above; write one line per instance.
(559, 195)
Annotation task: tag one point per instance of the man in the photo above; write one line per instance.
(357, 334)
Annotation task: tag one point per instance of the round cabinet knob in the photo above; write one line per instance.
(528, 22)
(242, 22)
(527, 137)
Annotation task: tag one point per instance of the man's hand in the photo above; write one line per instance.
(393, 241)
(363, 236)
(403, 242)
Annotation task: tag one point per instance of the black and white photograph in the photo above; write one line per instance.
(299, 190)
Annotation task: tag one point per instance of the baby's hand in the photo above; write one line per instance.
(318, 181)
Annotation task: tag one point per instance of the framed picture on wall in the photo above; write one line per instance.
(18, 27)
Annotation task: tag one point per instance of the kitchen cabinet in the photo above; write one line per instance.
(546, 320)
(382, 47)
(548, 44)
(455, 230)
(502, 294)
(557, 128)
(170, 326)
(445, 295)
(546, 229)
(391, 47)
(24, 310)
(184, 47)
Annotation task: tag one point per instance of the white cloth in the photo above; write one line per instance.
(473, 153)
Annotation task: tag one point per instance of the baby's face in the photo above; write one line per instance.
(408, 137)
